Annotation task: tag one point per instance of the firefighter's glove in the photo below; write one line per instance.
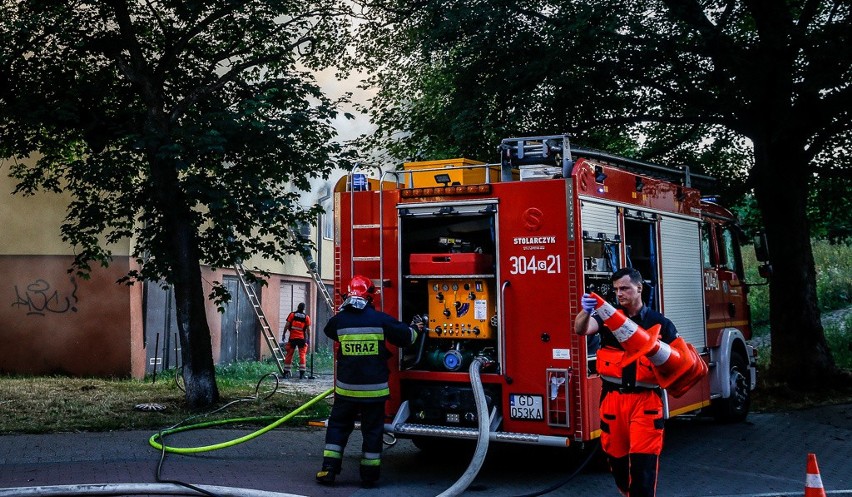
(588, 303)
(417, 322)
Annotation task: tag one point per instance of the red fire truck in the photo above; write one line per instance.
(496, 256)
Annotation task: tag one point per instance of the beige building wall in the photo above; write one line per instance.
(31, 224)
(54, 323)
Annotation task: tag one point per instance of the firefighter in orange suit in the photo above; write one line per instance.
(361, 379)
(631, 409)
(299, 325)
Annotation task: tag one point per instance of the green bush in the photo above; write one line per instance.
(758, 296)
(838, 334)
(833, 264)
(834, 275)
(324, 360)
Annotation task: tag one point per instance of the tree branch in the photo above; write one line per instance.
(809, 11)
(380, 5)
(231, 75)
(720, 47)
(226, 54)
(137, 71)
(726, 15)
(172, 51)
(159, 19)
(654, 118)
(664, 147)
(691, 13)
(825, 136)
(833, 173)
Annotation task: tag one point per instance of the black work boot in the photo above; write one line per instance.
(301, 375)
(370, 475)
(329, 470)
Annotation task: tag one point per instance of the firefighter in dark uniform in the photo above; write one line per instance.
(631, 409)
(298, 323)
(361, 382)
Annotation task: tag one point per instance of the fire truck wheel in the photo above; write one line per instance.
(735, 408)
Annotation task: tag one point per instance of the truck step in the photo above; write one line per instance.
(411, 429)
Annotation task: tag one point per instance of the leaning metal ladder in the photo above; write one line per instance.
(270, 338)
(313, 270)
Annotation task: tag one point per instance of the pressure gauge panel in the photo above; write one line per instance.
(461, 309)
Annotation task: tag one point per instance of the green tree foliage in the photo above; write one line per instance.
(755, 93)
(177, 123)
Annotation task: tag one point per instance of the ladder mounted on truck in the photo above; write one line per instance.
(372, 251)
(268, 335)
(555, 150)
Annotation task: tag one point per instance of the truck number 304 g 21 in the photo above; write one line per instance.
(549, 264)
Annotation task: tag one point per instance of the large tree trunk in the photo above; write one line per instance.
(199, 373)
(800, 355)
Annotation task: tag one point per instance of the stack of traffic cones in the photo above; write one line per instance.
(813, 482)
(677, 366)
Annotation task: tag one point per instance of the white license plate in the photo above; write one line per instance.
(522, 406)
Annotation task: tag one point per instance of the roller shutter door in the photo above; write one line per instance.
(683, 289)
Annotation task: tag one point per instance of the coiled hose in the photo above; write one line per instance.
(194, 450)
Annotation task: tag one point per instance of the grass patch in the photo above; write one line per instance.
(775, 397)
(771, 396)
(323, 360)
(833, 265)
(838, 334)
(63, 404)
(837, 327)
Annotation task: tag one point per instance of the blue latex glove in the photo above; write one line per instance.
(588, 303)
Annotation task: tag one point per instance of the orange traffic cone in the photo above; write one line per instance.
(813, 482)
(635, 340)
(698, 369)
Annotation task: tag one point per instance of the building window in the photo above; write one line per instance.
(327, 219)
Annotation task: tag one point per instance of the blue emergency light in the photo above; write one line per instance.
(359, 182)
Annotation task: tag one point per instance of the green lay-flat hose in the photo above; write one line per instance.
(194, 450)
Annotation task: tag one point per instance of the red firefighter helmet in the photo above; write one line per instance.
(360, 286)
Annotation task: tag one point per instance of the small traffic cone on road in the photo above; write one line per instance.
(813, 482)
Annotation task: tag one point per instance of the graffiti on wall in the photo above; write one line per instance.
(39, 298)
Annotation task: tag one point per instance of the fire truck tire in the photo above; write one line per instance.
(735, 408)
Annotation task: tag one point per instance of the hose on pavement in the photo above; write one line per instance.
(484, 433)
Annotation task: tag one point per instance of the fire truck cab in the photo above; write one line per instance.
(496, 258)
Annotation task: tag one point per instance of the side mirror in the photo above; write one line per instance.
(761, 252)
(761, 247)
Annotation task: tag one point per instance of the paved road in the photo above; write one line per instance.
(765, 456)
